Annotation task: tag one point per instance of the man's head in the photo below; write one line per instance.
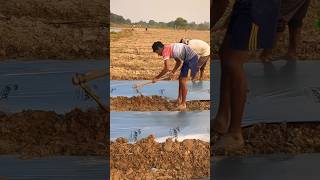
(184, 41)
(157, 47)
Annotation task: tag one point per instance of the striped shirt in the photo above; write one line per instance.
(178, 51)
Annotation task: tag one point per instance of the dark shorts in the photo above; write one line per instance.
(189, 64)
(253, 24)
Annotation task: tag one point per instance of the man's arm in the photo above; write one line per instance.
(218, 7)
(164, 70)
(177, 65)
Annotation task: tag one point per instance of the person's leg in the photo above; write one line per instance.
(179, 99)
(294, 39)
(266, 55)
(200, 67)
(221, 121)
(203, 67)
(244, 35)
(233, 66)
(235, 61)
(183, 89)
(295, 25)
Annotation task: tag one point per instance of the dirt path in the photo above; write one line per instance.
(131, 56)
(153, 103)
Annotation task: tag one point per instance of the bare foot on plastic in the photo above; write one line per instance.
(229, 142)
(182, 107)
(266, 58)
(178, 101)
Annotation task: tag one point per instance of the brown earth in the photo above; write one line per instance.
(308, 49)
(289, 138)
(50, 29)
(46, 133)
(153, 103)
(132, 57)
(148, 159)
(171, 160)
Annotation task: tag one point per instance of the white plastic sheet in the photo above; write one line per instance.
(199, 90)
(46, 85)
(278, 92)
(179, 125)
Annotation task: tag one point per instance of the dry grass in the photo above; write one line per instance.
(131, 55)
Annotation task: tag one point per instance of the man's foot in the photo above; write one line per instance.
(229, 142)
(221, 124)
(266, 58)
(182, 107)
(178, 101)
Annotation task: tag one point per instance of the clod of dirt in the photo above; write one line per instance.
(153, 103)
(44, 133)
(148, 159)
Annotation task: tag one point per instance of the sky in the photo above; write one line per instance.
(162, 10)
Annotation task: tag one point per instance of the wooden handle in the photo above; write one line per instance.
(93, 96)
(140, 85)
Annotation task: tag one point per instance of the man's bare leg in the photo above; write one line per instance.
(294, 39)
(220, 123)
(202, 71)
(234, 61)
(184, 90)
(179, 99)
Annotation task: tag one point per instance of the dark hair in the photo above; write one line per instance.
(157, 45)
(181, 40)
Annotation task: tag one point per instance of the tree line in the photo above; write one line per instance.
(179, 23)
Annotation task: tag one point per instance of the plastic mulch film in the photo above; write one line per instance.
(199, 90)
(177, 125)
(46, 85)
(278, 92)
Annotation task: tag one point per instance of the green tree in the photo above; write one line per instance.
(152, 23)
(180, 22)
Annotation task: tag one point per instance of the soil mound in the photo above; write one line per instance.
(153, 103)
(289, 138)
(50, 29)
(43, 133)
(148, 159)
